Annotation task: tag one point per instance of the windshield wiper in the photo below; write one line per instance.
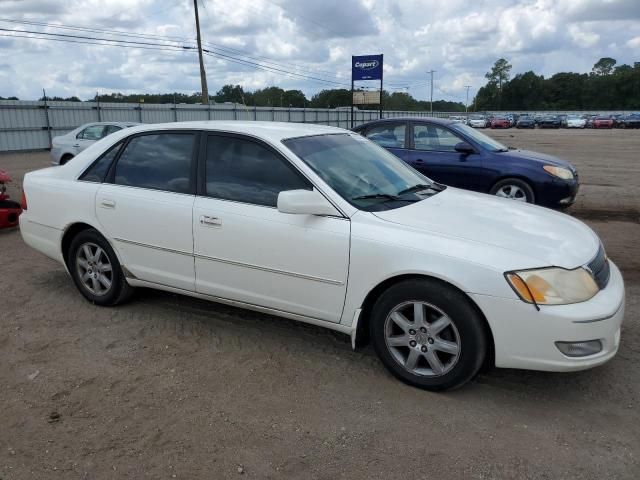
(386, 196)
(435, 186)
(415, 188)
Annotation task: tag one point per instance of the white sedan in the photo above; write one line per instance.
(576, 121)
(323, 226)
(65, 147)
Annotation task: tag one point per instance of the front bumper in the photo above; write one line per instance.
(525, 338)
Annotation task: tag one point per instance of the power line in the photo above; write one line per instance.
(172, 38)
(85, 39)
(269, 69)
(85, 42)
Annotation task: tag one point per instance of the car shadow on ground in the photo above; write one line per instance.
(274, 329)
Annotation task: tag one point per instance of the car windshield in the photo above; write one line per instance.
(366, 175)
(484, 140)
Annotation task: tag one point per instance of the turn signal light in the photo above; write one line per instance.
(23, 201)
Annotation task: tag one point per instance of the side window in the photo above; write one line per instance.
(244, 171)
(94, 132)
(434, 137)
(390, 135)
(98, 170)
(109, 129)
(160, 161)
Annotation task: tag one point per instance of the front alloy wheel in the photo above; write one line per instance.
(428, 333)
(513, 189)
(422, 339)
(514, 192)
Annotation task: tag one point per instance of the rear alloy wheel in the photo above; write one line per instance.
(95, 269)
(428, 334)
(514, 189)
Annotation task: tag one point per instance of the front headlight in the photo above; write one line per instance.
(563, 173)
(553, 286)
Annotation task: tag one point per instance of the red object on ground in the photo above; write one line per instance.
(9, 210)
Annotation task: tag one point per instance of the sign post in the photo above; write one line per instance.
(365, 67)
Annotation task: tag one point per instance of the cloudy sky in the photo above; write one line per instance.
(311, 38)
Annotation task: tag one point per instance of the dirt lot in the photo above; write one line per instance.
(171, 387)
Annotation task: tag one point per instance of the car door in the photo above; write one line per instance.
(146, 206)
(87, 137)
(432, 152)
(247, 251)
(390, 135)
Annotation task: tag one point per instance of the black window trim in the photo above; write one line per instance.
(202, 162)
(110, 176)
(118, 145)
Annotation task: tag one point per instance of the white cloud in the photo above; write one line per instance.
(457, 38)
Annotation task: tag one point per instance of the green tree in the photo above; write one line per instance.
(230, 93)
(340, 97)
(604, 66)
(498, 75)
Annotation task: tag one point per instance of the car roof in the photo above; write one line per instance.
(273, 131)
(125, 124)
(436, 120)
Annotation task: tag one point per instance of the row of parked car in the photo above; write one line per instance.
(552, 121)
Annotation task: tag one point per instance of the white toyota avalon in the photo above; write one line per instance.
(321, 225)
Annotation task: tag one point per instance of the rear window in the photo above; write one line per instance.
(98, 170)
(159, 161)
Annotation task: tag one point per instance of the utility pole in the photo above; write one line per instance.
(203, 75)
(431, 97)
(466, 105)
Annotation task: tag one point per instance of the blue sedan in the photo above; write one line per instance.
(455, 154)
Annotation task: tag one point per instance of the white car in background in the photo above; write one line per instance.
(477, 121)
(576, 121)
(321, 225)
(67, 146)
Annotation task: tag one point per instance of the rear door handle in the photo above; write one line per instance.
(107, 203)
(210, 221)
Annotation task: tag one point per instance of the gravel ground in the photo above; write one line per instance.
(172, 387)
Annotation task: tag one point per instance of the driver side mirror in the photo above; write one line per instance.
(464, 147)
(306, 202)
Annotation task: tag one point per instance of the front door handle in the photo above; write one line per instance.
(419, 160)
(76, 145)
(107, 203)
(210, 221)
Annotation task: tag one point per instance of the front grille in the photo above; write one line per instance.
(599, 267)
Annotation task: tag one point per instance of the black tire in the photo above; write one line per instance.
(65, 159)
(119, 290)
(468, 324)
(521, 184)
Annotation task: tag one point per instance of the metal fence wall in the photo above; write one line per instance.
(26, 125)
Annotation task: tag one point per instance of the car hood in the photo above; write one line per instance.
(541, 158)
(548, 237)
